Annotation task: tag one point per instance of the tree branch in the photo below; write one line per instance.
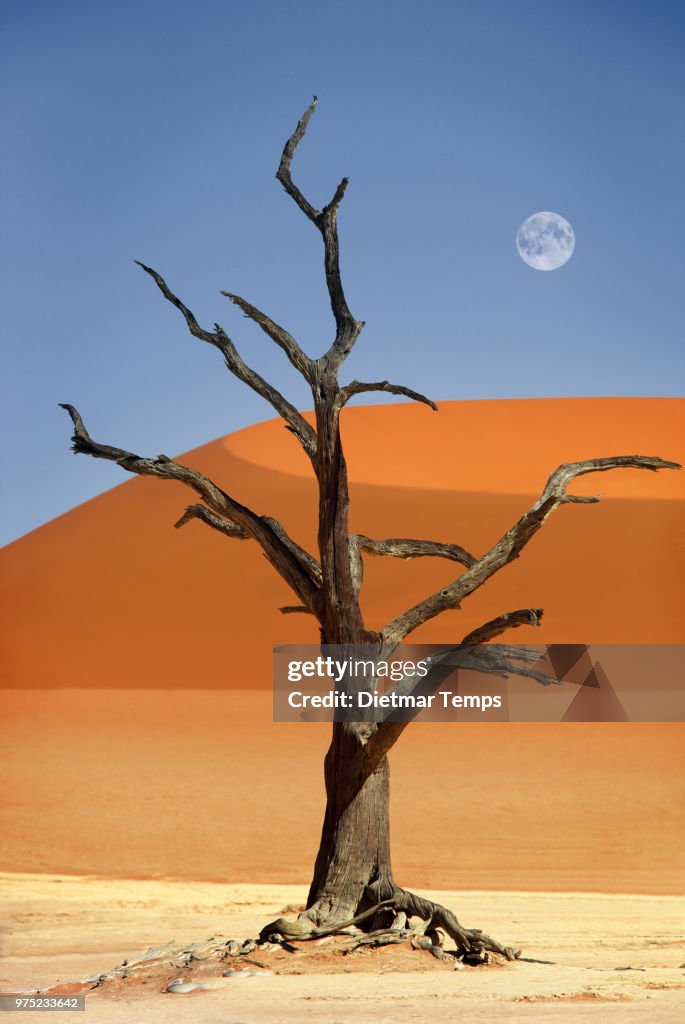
(287, 557)
(357, 388)
(493, 660)
(397, 547)
(498, 660)
(188, 315)
(347, 328)
(229, 529)
(212, 519)
(510, 545)
(283, 339)
(510, 620)
(312, 566)
(295, 609)
(283, 172)
(219, 339)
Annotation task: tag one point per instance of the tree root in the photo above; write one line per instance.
(472, 945)
(387, 937)
(471, 942)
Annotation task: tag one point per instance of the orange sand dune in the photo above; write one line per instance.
(509, 446)
(108, 605)
(111, 595)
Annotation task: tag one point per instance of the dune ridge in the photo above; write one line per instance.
(93, 597)
(138, 659)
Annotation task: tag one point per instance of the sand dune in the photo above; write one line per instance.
(120, 760)
(505, 446)
(111, 595)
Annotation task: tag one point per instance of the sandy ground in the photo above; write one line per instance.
(63, 929)
(138, 742)
(204, 785)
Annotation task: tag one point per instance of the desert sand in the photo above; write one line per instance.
(138, 660)
(138, 742)
(203, 785)
(586, 937)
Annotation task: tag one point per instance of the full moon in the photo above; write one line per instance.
(545, 241)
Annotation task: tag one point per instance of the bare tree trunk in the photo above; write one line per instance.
(354, 853)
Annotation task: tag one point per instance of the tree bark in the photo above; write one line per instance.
(354, 853)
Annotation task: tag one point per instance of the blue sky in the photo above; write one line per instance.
(152, 131)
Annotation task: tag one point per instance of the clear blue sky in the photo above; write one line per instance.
(153, 130)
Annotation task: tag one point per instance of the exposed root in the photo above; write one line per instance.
(390, 920)
(471, 943)
(386, 937)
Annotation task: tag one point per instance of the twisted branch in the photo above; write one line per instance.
(514, 540)
(216, 522)
(358, 387)
(400, 547)
(326, 220)
(283, 172)
(290, 561)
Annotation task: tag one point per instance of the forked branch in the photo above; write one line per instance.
(326, 220)
(284, 554)
(514, 540)
(496, 660)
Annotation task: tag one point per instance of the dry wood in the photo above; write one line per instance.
(358, 388)
(283, 339)
(514, 540)
(326, 220)
(280, 550)
(401, 547)
(217, 522)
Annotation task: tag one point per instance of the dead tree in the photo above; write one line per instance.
(352, 872)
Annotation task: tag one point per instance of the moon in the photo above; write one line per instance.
(545, 241)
